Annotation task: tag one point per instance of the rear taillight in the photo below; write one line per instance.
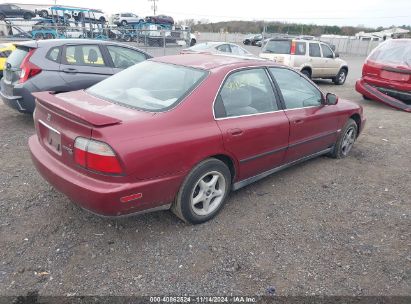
(96, 156)
(293, 47)
(28, 69)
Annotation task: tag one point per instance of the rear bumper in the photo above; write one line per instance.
(384, 95)
(21, 100)
(103, 197)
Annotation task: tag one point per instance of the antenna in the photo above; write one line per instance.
(154, 6)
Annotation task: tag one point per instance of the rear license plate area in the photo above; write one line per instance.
(51, 137)
(394, 76)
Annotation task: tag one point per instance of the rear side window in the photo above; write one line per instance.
(124, 57)
(245, 93)
(277, 47)
(84, 55)
(224, 48)
(16, 57)
(300, 48)
(315, 50)
(53, 54)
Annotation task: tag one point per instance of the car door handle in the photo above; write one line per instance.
(235, 132)
(298, 121)
(70, 70)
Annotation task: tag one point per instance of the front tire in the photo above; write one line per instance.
(44, 14)
(345, 140)
(203, 192)
(124, 23)
(306, 73)
(341, 77)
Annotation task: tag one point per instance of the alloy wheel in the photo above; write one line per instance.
(348, 141)
(208, 193)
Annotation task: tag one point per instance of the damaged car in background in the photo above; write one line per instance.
(386, 74)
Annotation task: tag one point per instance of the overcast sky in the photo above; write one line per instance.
(332, 12)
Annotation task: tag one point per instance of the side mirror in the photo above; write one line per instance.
(336, 55)
(331, 99)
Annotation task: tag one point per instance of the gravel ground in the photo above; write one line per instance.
(325, 227)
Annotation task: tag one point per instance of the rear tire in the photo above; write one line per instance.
(345, 140)
(2, 16)
(27, 16)
(124, 23)
(306, 73)
(341, 77)
(203, 192)
(193, 42)
(365, 97)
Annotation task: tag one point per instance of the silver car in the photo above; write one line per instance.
(61, 65)
(224, 48)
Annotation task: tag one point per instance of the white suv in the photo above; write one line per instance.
(314, 59)
(126, 18)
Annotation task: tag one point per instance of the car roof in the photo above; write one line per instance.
(211, 61)
(58, 42)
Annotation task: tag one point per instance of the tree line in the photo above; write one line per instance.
(276, 27)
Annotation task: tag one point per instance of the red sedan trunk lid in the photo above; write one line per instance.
(60, 119)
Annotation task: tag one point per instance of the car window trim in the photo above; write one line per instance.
(304, 78)
(64, 57)
(246, 115)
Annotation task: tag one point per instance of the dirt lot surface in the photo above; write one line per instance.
(326, 227)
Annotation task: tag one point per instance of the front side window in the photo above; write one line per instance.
(124, 57)
(314, 49)
(84, 55)
(327, 53)
(296, 90)
(149, 86)
(244, 93)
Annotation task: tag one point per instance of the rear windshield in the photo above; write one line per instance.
(149, 86)
(393, 52)
(277, 47)
(17, 56)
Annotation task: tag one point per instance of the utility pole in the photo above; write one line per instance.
(154, 6)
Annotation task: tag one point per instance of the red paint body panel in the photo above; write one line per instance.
(157, 150)
(266, 133)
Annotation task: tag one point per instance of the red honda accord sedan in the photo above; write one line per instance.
(180, 132)
(386, 74)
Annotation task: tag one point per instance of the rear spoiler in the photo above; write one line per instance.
(49, 100)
